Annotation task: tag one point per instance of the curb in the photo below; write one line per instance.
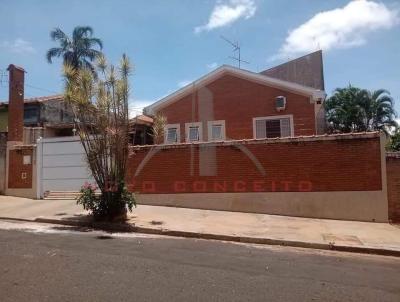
(129, 228)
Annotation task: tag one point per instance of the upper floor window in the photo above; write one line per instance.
(194, 132)
(273, 126)
(31, 114)
(172, 133)
(216, 130)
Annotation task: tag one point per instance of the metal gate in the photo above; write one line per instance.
(61, 165)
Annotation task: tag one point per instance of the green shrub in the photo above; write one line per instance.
(110, 204)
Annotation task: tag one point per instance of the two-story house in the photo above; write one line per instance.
(49, 113)
(51, 116)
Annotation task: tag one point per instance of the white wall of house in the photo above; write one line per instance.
(61, 165)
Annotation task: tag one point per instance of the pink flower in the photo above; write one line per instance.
(89, 186)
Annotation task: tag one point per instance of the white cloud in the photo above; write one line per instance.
(212, 65)
(338, 28)
(136, 106)
(19, 46)
(183, 83)
(226, 12)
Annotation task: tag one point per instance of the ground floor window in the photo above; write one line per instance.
(194, 132)
(273, 126)
(216, 130)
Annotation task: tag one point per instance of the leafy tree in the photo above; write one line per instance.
(100, 106)
(78, 51)
(352, 109)
(394, 143)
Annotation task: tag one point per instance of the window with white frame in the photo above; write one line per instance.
(194, 132)
(273, 126)
(172, 134)
(216, 130)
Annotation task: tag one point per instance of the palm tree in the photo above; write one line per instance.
(78, 51)
(352, 109)
(379, 113)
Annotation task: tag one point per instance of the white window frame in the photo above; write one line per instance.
(178, 133)
(274, 117)
(196, 124)
(223, 131)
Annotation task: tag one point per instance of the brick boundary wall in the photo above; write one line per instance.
(20, 175)
(393, 185)
(326, 163)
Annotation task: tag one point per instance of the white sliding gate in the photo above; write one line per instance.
(61, 165)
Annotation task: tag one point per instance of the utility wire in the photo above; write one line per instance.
(43, 89)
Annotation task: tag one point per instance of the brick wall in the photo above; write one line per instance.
(327, 163)
(20, 175)
(393, 185)
(238, 101)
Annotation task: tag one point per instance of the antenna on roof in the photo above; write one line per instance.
(236, 49)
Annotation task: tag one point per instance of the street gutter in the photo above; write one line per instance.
(129, 228)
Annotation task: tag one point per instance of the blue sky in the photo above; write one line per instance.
(173, 42)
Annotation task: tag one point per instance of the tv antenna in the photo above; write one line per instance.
(236, 50)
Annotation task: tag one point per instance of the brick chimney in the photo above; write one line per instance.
(16, 103)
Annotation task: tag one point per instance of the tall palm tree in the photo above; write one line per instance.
(379, 113)
(352, 109)
(78, 51)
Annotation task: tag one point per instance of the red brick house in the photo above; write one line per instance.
(231, 103)
(242, 141)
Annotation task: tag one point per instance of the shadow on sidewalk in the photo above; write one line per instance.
(86, 223)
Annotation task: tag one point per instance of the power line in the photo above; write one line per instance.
(43, 89)
(3, 77)
(4, 80)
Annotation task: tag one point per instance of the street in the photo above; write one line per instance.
(55, 263)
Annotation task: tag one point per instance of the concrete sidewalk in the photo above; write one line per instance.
(379, 238)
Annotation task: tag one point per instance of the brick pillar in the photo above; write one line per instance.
(16, 103)
(393, 185)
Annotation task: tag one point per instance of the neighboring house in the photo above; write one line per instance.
(50, 116)
(50, 113)
(231, 103)
(141, 130)
(3, 118)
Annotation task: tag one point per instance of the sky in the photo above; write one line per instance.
(174, 42)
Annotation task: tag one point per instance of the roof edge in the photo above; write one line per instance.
(246, 74)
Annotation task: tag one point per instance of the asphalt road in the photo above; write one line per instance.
(91, 266)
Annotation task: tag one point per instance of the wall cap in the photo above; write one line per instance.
(392, 154)
(311, 138)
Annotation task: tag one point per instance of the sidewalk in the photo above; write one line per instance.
(378, 238)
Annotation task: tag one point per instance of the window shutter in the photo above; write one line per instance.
(261, 129)
(285, 127)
